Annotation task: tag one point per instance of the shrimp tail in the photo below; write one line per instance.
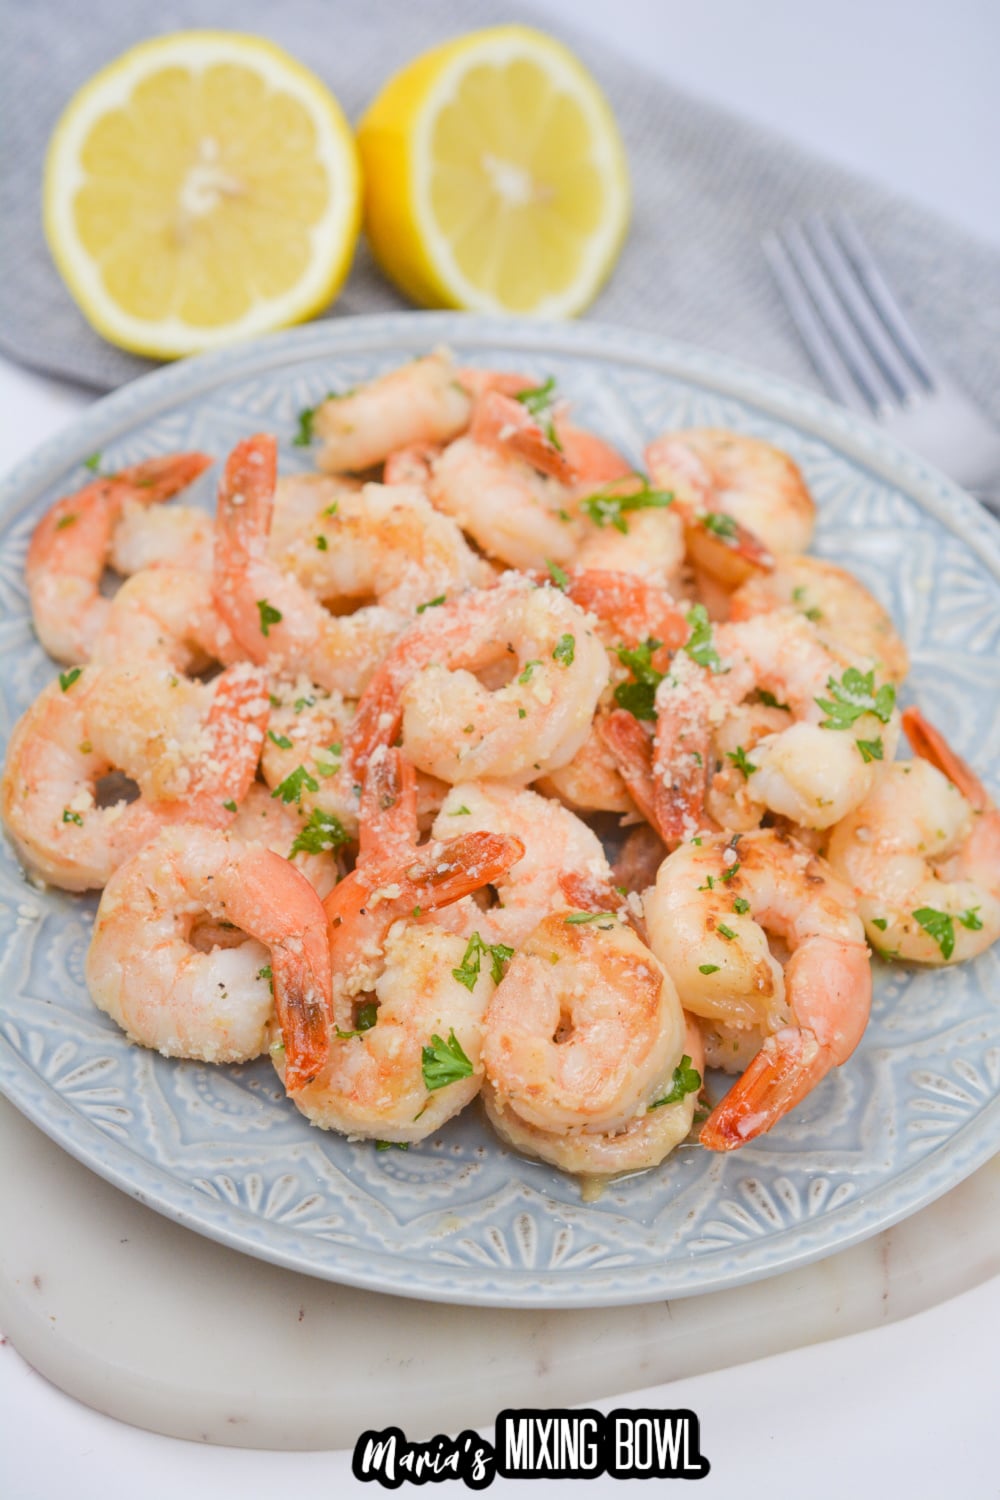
(930, 744)
(789, 1064)
(637, 609)
(160, 478)
(505, 424)
(632, 749)
(235, 728)
(304, 1005)
(680, 774)
(387, 816)
(588, 892)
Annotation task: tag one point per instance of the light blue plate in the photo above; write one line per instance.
(461, 1219)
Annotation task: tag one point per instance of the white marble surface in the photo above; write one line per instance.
(907, 94)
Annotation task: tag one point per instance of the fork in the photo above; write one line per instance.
(869, 356)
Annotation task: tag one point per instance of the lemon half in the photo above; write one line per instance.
(495, 176)
(202, 188)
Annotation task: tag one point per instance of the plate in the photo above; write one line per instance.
(460, 1218)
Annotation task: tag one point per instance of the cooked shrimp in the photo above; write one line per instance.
(165, 615)
(645, 1141)
(273, 618)
(923, 855)
(813, 772)
(558, 847)
(408, 996)
(385, 543)
(847, 617)
(510, 510)
(631, 613)
(192, 749)
(282, 827)
(421, 402)
(413, 465)
(583, 1027)
(718, 473)
(144, 972)
(547, 664)
(158, 536)
(70, 549)
(709, 915)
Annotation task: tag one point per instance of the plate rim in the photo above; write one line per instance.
(125, 411)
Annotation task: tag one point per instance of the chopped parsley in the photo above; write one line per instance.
(558, 575)
(267, 973)
(686, 1080)
(940, 925)
(729, 871)
(708, 968)
(444, 1062)
(853, 697)
(739, 760)
(230, 805)
(724, 931)
(67, 679)
(880, 923)
(301, 703)
(281, 740)
(770, 701)
(565, 651)
(72, 817)
(93, 463)
(322, 545)
(268, 616)
(322, 832)
(605, 508)
(870, 749)
(741, 905)
(699, 643)
(331, 509)
(639, 697)
(720, 525)
(66, 520)
(392, 1145)
(460, 812)
(290, 790)
(538, 400)
(431, 603)
(364, 1021)
(324, 766)
(529, 667)
(577, 919)
(468, 971)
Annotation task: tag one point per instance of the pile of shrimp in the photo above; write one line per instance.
(339, 763)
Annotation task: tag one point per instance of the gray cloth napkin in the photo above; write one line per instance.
(706, 186)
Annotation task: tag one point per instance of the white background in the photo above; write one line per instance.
(906, 91)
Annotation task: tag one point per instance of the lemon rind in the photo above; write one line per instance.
(333, 238)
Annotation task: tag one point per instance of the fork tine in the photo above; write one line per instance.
(841, 330)
(852, 292)
(834, 373)
(884, 301)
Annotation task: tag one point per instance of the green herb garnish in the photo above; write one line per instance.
(699, 644)
(67, 679)
(431, 603)
(686, 1080)
(324, 831)
(444, 1062)
(268, 616)
(739, 760)
(290, 790)
(853, 697)
(565, 651)
(497, 953)
(605, 508)
(639, 697)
